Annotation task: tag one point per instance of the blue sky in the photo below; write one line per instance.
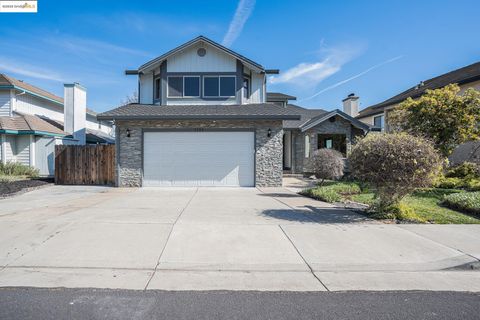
(324, 49)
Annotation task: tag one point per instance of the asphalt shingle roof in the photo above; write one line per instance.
(6, 80)
(463, 75)
(279, 95)
(28, 123)
(261, 111)
(305, 116)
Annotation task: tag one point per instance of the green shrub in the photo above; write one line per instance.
(18, 169)
(399, 211)
(394, 165)
(466, 170)
(465, 201)
(450, 183)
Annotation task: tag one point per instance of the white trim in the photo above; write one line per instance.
(32, 150)
(4, 150)
(183, 87)
(219, 87)
(13, 99)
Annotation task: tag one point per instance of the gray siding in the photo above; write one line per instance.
(268, 150)
(22, 152)
(9, 147)
(45, 155)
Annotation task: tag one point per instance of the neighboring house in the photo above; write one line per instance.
(32, 123)
(203, 119)
(466, 77)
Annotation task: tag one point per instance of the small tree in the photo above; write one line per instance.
(327, 164)
(442, 115)
(395, 165)
(132, 98)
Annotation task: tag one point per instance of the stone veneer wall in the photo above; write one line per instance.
(268, 154)
(340, 126)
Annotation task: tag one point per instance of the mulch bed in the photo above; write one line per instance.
(8, 189)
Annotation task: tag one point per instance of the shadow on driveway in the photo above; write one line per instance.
(316, 215)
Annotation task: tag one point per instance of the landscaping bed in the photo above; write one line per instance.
(11, 187)
(432, 205)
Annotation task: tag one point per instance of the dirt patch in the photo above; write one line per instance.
(9, 189)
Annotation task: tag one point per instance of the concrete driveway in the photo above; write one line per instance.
(219, 238)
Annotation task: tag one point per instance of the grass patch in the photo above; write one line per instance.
(17, 169)
(332, 191)
(424, 205)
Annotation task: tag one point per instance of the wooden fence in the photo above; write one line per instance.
(86, 165)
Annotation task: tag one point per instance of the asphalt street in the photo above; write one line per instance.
(35, 303)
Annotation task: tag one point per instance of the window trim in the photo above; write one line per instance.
(382, 122)
(307, 146)
(157, 89)
(219, 85)
(199, 84)
(183, 86)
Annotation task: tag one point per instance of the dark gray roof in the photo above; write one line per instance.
(305, 116)
(275, 96)
(207, 40)
(460, 76)
(261, 111)
(324, 117)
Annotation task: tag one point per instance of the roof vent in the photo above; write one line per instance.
(201, 52)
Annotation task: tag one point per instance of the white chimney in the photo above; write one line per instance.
(75, 111)
(350, 105)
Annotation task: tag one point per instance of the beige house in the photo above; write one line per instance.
(466, 77)
(377, 115)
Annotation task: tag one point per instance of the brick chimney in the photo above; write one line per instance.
(75, 111)
(350, 105)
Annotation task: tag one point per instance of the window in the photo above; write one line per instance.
(246, 88)
(378, 122)
(329, 143)
(219, 86)
(157, 88)
(211, 86)
(175, 86)
(227, 86)
(191, 86)
(187, 86)
(332, 141)
(307, 146)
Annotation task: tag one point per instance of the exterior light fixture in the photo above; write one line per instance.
(128, 132)
(269, 132)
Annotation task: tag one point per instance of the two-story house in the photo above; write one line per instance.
(204, 119)
(33, 121)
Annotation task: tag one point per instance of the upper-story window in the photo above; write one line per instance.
(246, 88)
(183, 87)
(379, 122)
(219, 86)
(157, 88)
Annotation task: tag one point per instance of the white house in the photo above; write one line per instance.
(33, 121)
(204, 119)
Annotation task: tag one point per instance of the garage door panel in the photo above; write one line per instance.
(199, 159)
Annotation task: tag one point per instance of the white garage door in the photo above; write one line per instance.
(198, 159)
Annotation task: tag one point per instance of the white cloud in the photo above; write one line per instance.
(309, 74)
(244, 9)
(351, 78)
(21, 68)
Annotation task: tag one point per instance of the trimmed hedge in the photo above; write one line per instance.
(464, 201)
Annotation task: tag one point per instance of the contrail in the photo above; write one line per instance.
(351, 78)
(244, 9)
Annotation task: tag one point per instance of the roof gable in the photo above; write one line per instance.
(323, 117)
(157, 61)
